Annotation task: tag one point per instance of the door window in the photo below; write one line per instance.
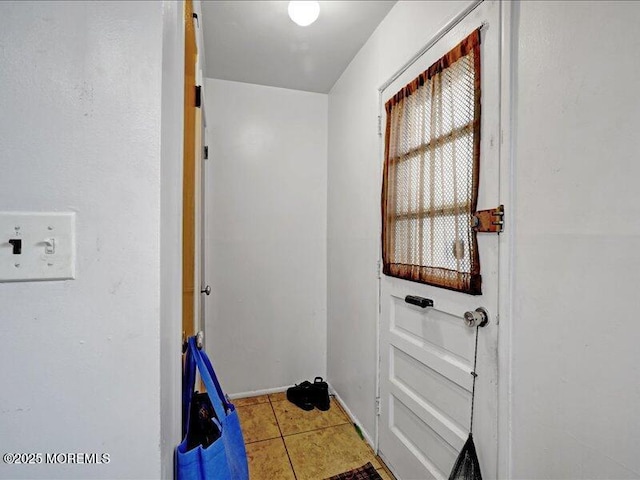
(430, 183)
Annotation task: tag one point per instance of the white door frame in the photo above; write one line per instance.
(199, 309)
(506, 189)
(506, 241)
(200, 271)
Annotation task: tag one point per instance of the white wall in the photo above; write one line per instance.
(576, 386)
(267, 234)
(354, 198)
(171, 173)
(574, 366)
(80, 109)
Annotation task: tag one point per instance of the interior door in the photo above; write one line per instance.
(427, 354)
(194, 284)
(189, 297)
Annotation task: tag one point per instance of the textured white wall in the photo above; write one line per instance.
(354, 198)
(171, 232)
(267, 194)
(576, 387)
(80, 130)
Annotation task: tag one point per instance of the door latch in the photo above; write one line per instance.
(489, 221)
(419, 301)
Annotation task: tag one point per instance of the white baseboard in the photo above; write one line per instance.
(255, 393)
(353, 418)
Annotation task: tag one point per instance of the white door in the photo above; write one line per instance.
(426, 355)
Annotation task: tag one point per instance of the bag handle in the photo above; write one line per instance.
(207, 374)
(188, 384)
(189, 378)
(214, 377)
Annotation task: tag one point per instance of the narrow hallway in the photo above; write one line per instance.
(285, 442)
(432, 205)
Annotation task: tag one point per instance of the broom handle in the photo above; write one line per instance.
(473, 388)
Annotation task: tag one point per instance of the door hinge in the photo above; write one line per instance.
(379, 268)
(206, 152)
(378, 406)
(379, 126)
(195, 16)
(489, 221)
(198, 96)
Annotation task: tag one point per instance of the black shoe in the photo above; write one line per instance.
(320, 394)
(301, 395)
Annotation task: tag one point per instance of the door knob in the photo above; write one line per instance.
(206, 290)
(477, 318)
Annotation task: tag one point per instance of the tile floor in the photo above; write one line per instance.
(285, 442)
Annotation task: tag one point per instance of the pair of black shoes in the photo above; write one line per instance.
(309, 395)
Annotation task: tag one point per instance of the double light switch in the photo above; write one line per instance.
(37, 246)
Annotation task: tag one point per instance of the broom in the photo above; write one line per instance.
(467, 466)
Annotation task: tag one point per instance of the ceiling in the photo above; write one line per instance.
(256, 41)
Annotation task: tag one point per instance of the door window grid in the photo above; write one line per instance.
(431, 174)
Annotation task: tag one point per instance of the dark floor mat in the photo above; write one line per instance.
(366, 472)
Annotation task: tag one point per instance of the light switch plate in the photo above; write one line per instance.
(47, 244)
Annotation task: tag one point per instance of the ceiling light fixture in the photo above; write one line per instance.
(304, 13)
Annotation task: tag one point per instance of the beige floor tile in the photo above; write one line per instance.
(258, 422)
(278, 397)
(293, 419)
(268, 460)
(243, 402)
(327, 452)
(339, 405)
(387, 472)
(384, 474)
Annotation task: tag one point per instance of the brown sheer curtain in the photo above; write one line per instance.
(430, 182)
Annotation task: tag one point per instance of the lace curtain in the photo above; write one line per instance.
(430, 183)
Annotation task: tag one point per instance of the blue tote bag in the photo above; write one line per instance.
(226, 457)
